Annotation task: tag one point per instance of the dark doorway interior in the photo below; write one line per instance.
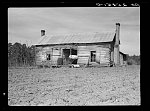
(93, 56)
(66, 59)
(74, 52)
(66, 53)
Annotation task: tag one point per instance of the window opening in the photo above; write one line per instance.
(48, 56)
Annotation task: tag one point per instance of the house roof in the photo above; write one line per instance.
(77, 38)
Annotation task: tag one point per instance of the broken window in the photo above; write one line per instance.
(93, 56)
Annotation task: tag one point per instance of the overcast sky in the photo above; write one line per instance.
(25, 24)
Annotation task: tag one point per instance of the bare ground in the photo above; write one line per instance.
(74, 86)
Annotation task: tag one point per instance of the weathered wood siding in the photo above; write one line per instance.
(103, 54)
(56, 53)
(43, 51)
(112, 56)
(83, 55)
(40, 55)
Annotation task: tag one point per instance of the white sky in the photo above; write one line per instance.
(25, 24)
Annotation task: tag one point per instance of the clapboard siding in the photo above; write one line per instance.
(83, 51)
(41, 55)
(83, 55)
(103, 55)
(83, 60)
(56, 53)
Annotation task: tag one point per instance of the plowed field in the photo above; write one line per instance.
(74, 86)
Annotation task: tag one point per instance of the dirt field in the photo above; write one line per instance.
(74, 86)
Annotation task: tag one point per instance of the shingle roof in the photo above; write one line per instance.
(77, 38)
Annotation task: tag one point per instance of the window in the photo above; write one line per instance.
(48, 56)
(93, 56)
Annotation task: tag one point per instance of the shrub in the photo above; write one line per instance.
(133, 60)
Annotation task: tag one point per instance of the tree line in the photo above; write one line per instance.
(20, 55)
(133, 60)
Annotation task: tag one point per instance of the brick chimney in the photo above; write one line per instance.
(116, 45)
(42, 32)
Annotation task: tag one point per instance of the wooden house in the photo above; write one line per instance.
(87, 48)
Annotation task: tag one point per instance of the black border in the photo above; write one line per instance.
(4, 20)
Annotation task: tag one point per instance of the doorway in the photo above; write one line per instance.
(66, 59)
(74, 52)
(93, 56)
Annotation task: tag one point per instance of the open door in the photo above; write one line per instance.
(66, 54)
(74, 53)
(93, 56)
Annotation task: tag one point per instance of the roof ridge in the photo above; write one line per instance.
(81, 33)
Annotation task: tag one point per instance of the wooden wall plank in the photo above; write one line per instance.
(104, 55)
(83, 55)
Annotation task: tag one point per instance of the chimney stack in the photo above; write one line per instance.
(116, 45)
(42, 32)
(117, 33)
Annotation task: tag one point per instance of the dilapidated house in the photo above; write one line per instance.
(82, 48)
